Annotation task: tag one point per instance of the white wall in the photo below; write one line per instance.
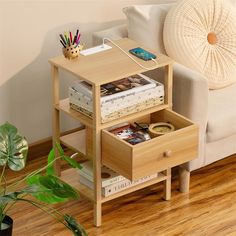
(29, 37)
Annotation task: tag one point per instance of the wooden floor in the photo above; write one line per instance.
(209, 209)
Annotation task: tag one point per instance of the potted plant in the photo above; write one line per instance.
(43, 184)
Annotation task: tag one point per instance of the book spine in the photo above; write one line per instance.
(114, 180)
(82, 110)
(122, 185)
(80, 104)
(114, 187)
(106, 182)
(85, 175)
(81, 88)
(79, 94)
(86, 182)
(80, 100)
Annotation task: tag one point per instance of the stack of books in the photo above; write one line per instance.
(118, 98)
(112, 182)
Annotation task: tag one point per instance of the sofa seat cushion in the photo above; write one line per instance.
(221, 113)
(201, 34)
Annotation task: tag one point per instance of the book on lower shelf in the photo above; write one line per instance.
(111, 181)
(108, 175)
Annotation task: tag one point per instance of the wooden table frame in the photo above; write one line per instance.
(94, 126)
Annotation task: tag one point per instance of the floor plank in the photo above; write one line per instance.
(209, 209)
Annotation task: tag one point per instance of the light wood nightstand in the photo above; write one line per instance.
(159, 154)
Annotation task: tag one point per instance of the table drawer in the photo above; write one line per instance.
(157, 154)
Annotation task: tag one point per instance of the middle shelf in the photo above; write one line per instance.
(64, 105)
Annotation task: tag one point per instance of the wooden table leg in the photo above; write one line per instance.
(97, 214)
(184, 180)
(167, 185)
(97, 156)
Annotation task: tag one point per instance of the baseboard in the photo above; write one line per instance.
(40, 148)
(43, 147)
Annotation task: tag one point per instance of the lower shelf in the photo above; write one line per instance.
(71, 176)
(160, 178)
(75, 141)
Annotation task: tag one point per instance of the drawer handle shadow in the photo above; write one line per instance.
(167, 153)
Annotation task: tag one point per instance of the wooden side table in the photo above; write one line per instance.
(96, 143)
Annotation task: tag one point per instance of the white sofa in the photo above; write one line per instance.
(213, 110)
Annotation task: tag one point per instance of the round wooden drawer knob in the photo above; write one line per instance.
(167, 153)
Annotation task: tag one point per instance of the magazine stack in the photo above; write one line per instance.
(118, 98)
(112, 182)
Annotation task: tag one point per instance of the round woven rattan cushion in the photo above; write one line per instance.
(201, 34)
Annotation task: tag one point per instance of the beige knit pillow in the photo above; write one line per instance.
(201, 34)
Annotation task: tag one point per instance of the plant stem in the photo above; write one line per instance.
(34, 173)
(2, 215)
(10, 205)
(2, 174)
(2, 177)
(5, 185)
(42, 207)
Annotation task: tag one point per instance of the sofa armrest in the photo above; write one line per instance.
(115, 33)
(190, 98)
(190, 94)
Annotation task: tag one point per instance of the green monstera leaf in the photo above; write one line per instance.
(51, 189)
(13, 147)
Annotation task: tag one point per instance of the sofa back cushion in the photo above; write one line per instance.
(145, 24)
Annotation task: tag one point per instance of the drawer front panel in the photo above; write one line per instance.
(164, 152)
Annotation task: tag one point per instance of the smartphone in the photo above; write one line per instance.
(142, 54)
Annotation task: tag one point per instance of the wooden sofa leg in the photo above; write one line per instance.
(184, 180)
